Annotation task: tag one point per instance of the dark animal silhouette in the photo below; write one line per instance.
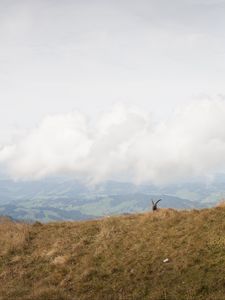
(154, 204)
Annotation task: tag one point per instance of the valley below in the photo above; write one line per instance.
(56, 199)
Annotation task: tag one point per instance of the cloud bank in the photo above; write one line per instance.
(124, 143)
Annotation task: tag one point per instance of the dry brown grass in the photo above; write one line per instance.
(13, 235)
(116, 258)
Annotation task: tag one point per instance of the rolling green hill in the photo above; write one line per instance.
(55, 199)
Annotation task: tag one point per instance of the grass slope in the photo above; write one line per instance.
(116, 258)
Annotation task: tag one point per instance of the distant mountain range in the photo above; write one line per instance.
(67, 199)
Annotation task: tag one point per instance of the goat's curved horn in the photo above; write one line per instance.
(158, 201)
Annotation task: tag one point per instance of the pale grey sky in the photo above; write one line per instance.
(63, 60)
(59, 56)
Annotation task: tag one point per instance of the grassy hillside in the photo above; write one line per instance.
(116, 258)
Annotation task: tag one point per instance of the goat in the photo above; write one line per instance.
(154, 205)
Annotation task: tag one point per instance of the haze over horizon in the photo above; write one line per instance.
(124, 89)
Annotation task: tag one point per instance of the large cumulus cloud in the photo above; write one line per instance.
(124, 143)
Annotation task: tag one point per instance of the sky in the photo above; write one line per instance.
(80, 67)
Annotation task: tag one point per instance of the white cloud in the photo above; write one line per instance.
(123, 143)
